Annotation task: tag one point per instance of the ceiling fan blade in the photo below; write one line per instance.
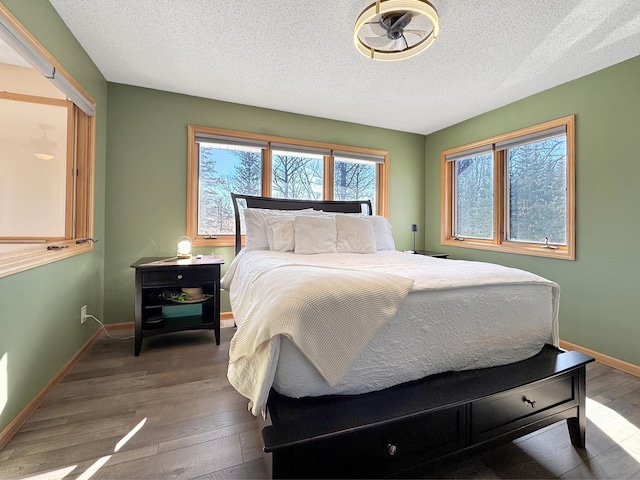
(398, 45)
(378, 42)
(419, 33)
(404, 40)
(377, 28)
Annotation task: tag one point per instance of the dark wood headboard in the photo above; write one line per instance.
(252, 201)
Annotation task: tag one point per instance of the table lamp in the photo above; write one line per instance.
(184, 247)
(414, 229)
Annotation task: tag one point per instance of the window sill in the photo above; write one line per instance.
(36, 256)
(221, 241)
(562, 253)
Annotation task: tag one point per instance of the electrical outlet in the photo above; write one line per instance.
(83, 314)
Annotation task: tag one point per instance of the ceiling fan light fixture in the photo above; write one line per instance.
(396, 29)
(43, 147)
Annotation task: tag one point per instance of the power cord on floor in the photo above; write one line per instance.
(105, 329)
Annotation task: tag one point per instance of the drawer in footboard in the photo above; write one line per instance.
(397, 430)
(374, 450)
(515, 408)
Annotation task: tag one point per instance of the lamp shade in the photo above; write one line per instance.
(184, 247)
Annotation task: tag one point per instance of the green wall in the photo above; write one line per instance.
(146, 174)
(39, 309)
(599, 302)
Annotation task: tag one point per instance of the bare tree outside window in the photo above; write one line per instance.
(248, 172)
(224, 170)
(297, 177)
(537, 192)
(474, 196)
(354, 180)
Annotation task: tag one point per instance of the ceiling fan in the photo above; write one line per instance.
(396, 29)
(391, 31)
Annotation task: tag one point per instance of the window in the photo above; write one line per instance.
(224, 166)
(354, 177)
(297, 172)
(34, 187)
(474, 196)
(47, 137)
(224, 161)
(513, 192)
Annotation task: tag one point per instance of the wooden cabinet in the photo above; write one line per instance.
(159, 281)
(400, 429)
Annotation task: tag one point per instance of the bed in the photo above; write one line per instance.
(351, 350)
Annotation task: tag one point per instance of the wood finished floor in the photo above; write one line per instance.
(193, 424)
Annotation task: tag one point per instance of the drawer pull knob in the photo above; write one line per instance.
(392, 449)
(530, 402)
(179, 277)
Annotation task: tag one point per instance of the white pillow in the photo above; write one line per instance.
(354, 234)
(280, 234)
(314, 234)
(382, 230)
(256, 227)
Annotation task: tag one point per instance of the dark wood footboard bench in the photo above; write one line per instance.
(392, 431)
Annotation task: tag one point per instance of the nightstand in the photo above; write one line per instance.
(432, 254)
(157, 278)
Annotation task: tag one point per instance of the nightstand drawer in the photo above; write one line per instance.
(521, 406)
(176, 277)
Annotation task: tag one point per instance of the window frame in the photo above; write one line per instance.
(69, 164)
(382, 175)
(499, 241)
(81, 147)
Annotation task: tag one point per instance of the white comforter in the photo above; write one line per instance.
(329, 306)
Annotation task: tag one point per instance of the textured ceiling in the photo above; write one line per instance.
(298, 55)
(9, 56)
